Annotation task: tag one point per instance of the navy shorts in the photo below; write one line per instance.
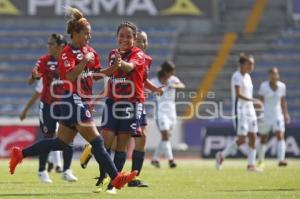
(74, 110)
(49, 114)
(144, 118)
(121, 117)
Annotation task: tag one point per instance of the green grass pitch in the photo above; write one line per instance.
(192, 179)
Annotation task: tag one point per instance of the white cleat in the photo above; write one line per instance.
(253, 168)
(44, 177)
(69, 176)
(219, 161)
(112, 191)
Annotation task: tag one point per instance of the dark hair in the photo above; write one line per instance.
(243, 58)
(130, 25)
(77, 22)
(168, 66)
(59, 39)
(161, 73)
(270, 71)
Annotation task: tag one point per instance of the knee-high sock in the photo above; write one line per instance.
(231, 148)
(67, 156)
(137, 161)
(55, 158)
(167, 148)
(42, 161)
(102, 157)
(120, 159)
(251, 156)
(44, 146)
(281, 150)
(261, 152)
(158, 151)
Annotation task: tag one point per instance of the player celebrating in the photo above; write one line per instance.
(166, 115)
(140, 139)
(77, 66)
(243, 109)
(47, 69)
(272, 93)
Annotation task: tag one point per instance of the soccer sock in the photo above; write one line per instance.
(102, 157)
(251, 156)
(262, 152)
(281, 150)
(102, 171)
(55, 158)
(137, 161)
(67, 156)
(230, 149)
(42, 161)
(158, 151)
(120, 159)
(168, 150)
(44, 146)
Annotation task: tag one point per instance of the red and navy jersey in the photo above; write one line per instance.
(148, 62)
(52, 86)
(128, 86)
(83, 84)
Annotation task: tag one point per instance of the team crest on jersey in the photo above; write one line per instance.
(45, 129)
(67, 63)
(88, 113)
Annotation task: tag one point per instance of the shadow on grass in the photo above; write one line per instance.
(247, 190)
(44, 194)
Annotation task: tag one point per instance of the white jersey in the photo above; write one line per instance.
(246, 89)
(39, 86)
(272, 100)
(166, 103)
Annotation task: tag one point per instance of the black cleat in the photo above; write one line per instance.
(155, 163)
(137, 183)
(172, 164)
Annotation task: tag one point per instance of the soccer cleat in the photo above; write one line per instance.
(123, 178)
(111, 189)
(219, 161)
(58, 169)
(102, 185)
(155, 163)
(137, 183)
(261, 164)
(86, 155)
(44, 177)
(282, 163)
(172, 164)
(253, 168)
(69, 176)
(16, 158)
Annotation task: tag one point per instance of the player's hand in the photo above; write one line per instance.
(160, 91)
(35, 73)
(287, 118)
(23, 115)
(118, 60)
(257, 102)
(89, 57)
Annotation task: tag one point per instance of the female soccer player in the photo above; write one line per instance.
(78, 64)
(245, 121)
(121, 116)
(47, 68)
(272, 93)
(166, 115)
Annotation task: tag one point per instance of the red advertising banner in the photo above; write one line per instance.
(21, 136)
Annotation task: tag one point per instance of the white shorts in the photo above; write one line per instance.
(265, 127)
(244, 124)
(165, 123)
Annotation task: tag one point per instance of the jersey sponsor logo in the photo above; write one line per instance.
(88, 113)
(118, 80)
